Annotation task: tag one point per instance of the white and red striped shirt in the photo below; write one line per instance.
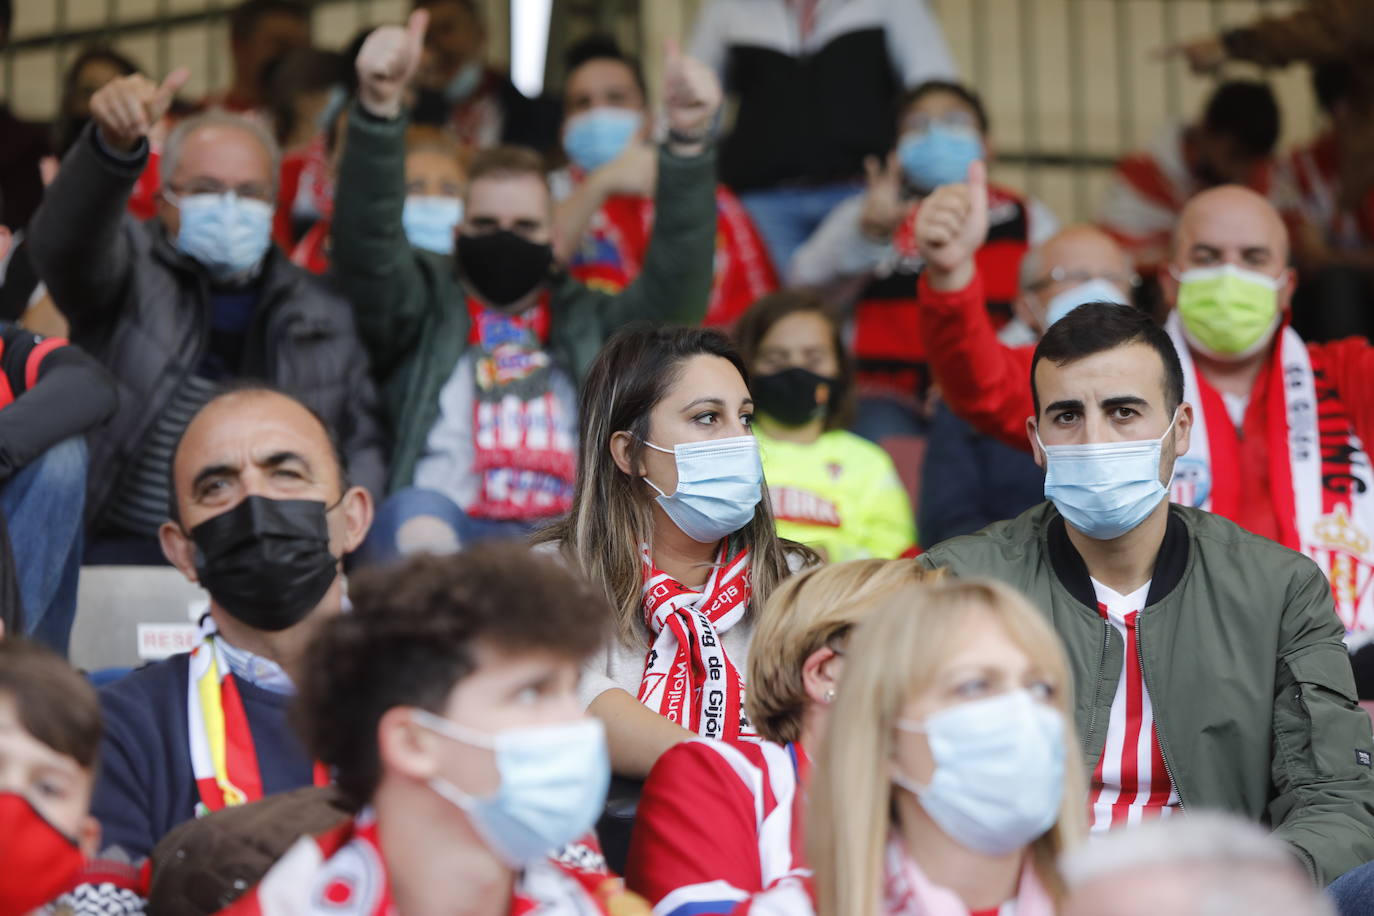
(1130, 783)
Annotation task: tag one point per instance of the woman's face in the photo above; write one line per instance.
(801, 339)
(708, 401)
(985, 663)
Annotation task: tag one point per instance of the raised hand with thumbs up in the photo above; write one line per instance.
(691, 100)
(126, 109)
(951, 225)
(387, 62)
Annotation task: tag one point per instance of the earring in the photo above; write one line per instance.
(830, 695)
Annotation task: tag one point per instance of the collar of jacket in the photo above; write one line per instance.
(1068, 564)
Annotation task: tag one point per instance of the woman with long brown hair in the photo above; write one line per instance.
(671, 517)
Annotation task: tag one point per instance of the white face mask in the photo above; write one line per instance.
(999, 771)
(553, 784)
(1097, 289)
(719, 484)
(1105, 489)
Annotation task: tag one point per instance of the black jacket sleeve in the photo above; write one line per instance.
(69, 394)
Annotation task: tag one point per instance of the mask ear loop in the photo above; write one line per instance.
(657, 448)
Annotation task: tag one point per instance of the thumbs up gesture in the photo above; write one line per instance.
(386, 63)
(126, 109)
(951, 225)
(691, 96)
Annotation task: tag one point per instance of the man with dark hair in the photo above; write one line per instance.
(446, 706)
(1232, 143)
(1207, 662)
(263, 518)
(865, 249)
(457, 91)
(260, 32)
(1282, 424)
(606, 205)
(49, 739)
(480, 355)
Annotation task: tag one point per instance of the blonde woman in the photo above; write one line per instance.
(949, 782)
(720, 821)
(671, 518)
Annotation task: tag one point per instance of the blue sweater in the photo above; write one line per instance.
(145, 786)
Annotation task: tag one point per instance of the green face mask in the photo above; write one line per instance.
(1228, 311)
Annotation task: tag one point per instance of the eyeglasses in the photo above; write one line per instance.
(1064, 275)
(250, 190)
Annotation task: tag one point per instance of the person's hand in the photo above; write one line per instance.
(691, 98)
(387, 61)
(951, 225)
(1204, 55)
(883, 205)
(634, 171)
(126, 109)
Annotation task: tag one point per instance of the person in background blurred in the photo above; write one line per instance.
(1232, 143)
(816, 84)
(719, 821)
(1204, 864)
(971, 479)
(868, 241)
(606, 208)
(435, 184)
(260, 31)
(304, 94)
(1333, 238)
(949, 782)
(833, 491)
(457, 90)
(95, 66)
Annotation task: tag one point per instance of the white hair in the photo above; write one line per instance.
(1237, 866)
(171, 150)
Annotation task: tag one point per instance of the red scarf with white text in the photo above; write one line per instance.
(687, 676)
(1323, 486)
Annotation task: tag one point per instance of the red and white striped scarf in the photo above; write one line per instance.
(687, 676)
(1323, 486)
(343, 873)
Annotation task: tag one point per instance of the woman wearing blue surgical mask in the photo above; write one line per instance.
(435, 182)
(446, 707)
(949, 782)
(671, 516)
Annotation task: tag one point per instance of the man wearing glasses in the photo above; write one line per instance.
(193, 299)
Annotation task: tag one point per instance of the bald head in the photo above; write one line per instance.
(1231, 225)
(250, 441)
(1071, 257)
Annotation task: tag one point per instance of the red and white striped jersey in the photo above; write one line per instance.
(1130, 783)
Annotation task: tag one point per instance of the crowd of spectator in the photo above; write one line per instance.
(510, 439)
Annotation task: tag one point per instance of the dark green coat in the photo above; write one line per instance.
(1253, 696)
(411, 311)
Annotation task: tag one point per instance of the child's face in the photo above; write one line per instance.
(54, 783)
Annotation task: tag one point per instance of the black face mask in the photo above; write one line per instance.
(794, 397)
(266, 561)
(502, 267)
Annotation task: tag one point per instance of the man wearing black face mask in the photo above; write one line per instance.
(480, 356)
(261, 516)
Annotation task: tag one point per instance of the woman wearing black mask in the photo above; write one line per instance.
(831, 490)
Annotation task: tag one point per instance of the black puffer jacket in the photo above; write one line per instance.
(143, 309)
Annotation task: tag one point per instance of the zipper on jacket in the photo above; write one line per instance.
(1159, 732)
(1097, 690)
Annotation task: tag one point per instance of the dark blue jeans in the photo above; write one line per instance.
(456, 528)
(43, 506)
(786, 217)
(1354, 891)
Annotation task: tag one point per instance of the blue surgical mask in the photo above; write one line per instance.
(430, 220)
(553, 784)
(595, 137)
(719, 484)
(464, 82)
(1097, 289)
(1105, 489)
(226, 233)
(999, 771)
(940, 154)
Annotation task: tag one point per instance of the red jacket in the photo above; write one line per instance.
(988, 385)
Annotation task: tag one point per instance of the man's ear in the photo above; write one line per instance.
(405, 747)
(358, 510)
(1168, 285)
(1288, 284)
(179, 549)
(88, 837)
(1183, 430)
(1036, 451)
(620, 446)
